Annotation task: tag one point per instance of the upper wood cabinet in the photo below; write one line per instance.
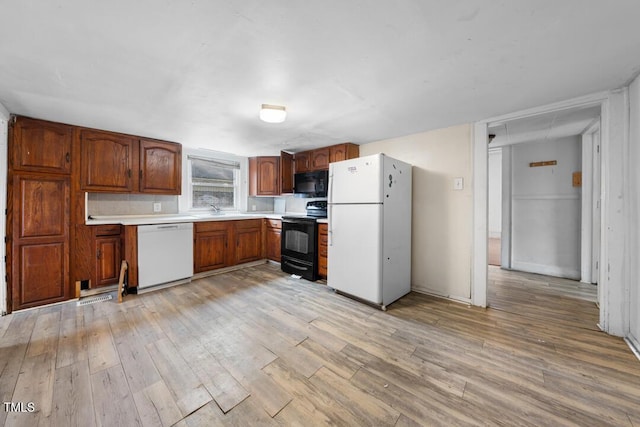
(344, 151)
(160, 167)
(319, 159)
(107, 161)
(264, 176)
(40, 146)
(286, 173)
(302, 161)
(111, 162)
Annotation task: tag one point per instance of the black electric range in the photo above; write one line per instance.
(299, 241)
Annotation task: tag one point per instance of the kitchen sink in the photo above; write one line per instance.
(208, 214)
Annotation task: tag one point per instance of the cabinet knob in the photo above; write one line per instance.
(67, 157)
(99, 254)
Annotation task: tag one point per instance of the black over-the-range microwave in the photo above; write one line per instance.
(311, 184)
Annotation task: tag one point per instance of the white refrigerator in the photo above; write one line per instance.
(369, 241)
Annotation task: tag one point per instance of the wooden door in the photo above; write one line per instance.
(323, 232)
(344, 151)
(160, 167)
(248, 235)
(107, 161)
(41, 146)
(273, 239)
(108, 260)
(302, 161)
(211, 245)
(264, 176)
(320, 159)
(39, 250)
(286, 173)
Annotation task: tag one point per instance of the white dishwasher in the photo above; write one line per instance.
(165, 253)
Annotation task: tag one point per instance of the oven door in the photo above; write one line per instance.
(299, 239)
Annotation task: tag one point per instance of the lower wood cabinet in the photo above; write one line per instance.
(218, 244)
(323, 238)
(38, 236)
(272, 239)
(248, 236)
(107, 250)
(211, 245)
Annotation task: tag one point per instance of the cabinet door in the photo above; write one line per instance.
(210, 250)
(286, 173)
(41, 146)
(108, 260)
(322, 250)
(107, 161)
(160, 167)
(302, 161)
(320, 159)
(264, 174)
(211, 245)
(248, 235)
(273, 238)
(341, 152)
(39, 251)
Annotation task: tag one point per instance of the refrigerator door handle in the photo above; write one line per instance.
(330, 230)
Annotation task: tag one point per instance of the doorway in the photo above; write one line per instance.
(567, 126)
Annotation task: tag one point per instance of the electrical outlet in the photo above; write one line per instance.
(157, 207)
(253, 207)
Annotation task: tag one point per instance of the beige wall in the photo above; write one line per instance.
(442, 217)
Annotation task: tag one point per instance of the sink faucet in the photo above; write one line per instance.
(215, 208)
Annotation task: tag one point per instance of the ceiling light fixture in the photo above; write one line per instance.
(272, 113)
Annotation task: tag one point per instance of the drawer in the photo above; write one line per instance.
(201, 227)
(323, 229)
(323, 239)
(108, 230)
(274, 223)
(247, 223)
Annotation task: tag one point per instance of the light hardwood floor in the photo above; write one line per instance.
(256, 347)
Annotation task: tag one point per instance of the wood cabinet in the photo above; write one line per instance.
(41, 146)
(286, 173)
(273, 239)
(319, 159)
(112, 162)
(211, 245)
(323, 239)
(264, 176)
(219, 244)
(248, 236)
(160, 167)
(344, 151)
(107, 250)
(38, 236)
(302, 161)
(107, 161)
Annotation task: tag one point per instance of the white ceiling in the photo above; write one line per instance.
(197, 71)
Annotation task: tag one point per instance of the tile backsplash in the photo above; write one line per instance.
(129, 204)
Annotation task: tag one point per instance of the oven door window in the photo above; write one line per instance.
(297, 241)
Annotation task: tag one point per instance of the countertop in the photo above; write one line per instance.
(179, 217)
